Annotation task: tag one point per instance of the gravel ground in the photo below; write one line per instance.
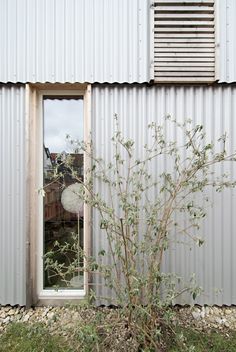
(57, 318)
(68, 321)
(62, 320)
(205, 318)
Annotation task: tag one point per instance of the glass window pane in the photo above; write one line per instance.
(63, 211)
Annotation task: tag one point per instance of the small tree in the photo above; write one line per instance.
(138, 216)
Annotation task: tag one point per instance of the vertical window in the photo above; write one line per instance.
(63, 215)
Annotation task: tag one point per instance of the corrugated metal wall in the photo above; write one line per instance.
(74, 41)
(12, 200)
(92, 41)
(226, 24)
(215, 108)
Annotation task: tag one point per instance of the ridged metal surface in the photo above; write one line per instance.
(12, 200)
(227, 40)
(74, 41)
(215, 263)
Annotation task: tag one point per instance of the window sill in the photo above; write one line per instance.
(61, 294)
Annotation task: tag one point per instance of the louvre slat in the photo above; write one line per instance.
(186, 74)
(183, 79)
(174, 54)
(171, 69)
(180, 8)
(187, 16)
(187, 2)
(182, 41)
(184, 59)
(184, 45)
(180, 64)
(184, 50)
(183, 35)
(182, 23)
(185, 29)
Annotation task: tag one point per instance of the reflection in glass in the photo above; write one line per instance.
(63, 211)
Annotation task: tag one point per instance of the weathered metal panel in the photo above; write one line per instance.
(74, 41)
(215, 263)
(227, 40)
(12, 200)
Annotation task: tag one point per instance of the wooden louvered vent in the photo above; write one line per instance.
(184, 41)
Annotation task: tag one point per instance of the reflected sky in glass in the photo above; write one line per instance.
(62, 117)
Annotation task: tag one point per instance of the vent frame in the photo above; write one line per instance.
(183, 41)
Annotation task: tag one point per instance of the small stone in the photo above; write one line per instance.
(211, 319)
(46, 310)
(218, 320)
(7, 309)
(227, 311)
(215, 310)
(18, 317)
(26, 318)
(51, 315)
(211, 312)
(6, 320)
(202, 314)
(196, 315)
(11, 312)
(3, 315)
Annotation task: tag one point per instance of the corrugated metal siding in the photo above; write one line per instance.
(227, 40)
(214, 107)
(74, 41)
(12, 200)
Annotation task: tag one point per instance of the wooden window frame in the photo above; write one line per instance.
(34, 168)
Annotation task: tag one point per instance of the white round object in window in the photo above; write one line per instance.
(71, 200)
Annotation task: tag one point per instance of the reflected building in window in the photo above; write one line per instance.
(63, 167)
